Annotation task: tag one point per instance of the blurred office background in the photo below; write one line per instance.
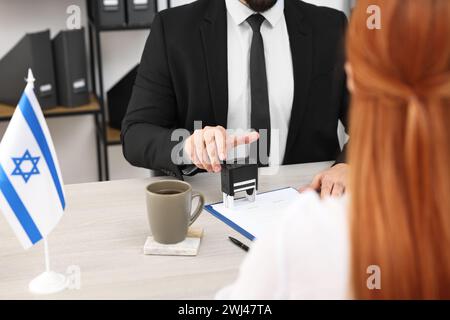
(74, 136)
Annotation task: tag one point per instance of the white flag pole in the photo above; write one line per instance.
(49, 281)
(30, 79)
(47, 257)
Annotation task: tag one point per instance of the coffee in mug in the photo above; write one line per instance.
(169, 206)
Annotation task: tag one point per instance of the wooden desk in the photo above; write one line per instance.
(104, 230)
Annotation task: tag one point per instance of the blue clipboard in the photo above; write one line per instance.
(232, 224)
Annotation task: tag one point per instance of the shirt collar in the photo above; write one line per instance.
(240, 12)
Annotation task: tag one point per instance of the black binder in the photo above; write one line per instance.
(141, 13)
(69, 52)
(119, 97)
(108, 13)
(33, 51)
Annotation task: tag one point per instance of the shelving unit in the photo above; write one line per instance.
(108, 136)
(112, 136)
(92, 109)
(105, 135)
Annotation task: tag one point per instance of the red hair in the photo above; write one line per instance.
(400, 149)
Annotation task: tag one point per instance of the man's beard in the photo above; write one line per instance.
(260, 5)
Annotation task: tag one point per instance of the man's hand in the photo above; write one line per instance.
(209, 146)
(331, 182)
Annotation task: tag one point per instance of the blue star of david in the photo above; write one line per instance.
(26, 175)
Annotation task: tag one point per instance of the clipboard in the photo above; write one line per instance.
(251, 219)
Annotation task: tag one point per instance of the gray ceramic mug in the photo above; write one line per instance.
(169, 206)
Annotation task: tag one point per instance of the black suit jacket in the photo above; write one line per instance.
(183, 78)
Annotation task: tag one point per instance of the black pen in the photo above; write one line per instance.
(239, 244)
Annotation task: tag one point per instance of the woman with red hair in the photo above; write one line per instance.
(390, 237)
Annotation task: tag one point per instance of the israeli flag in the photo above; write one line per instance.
(31, 188)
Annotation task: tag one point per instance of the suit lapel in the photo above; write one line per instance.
(300, 37)
(215, 36)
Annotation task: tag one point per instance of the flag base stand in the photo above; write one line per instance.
(47, 283)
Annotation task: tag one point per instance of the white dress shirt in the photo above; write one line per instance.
(280, 76)
(304, 256)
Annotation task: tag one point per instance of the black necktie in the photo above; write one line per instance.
(260, 112)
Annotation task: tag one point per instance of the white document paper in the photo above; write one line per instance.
(251, 219)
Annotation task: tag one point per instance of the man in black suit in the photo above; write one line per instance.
(276, 66)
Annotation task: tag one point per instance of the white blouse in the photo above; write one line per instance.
(305, 256)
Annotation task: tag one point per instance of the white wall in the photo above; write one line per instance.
(74, 137)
